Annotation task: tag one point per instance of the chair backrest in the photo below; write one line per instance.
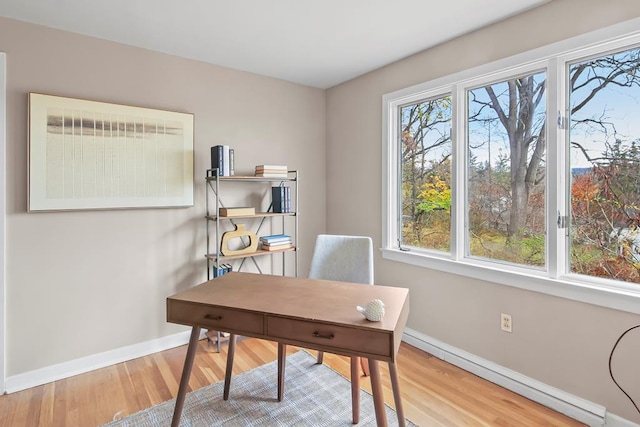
(343, 258)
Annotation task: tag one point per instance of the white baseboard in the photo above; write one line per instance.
(95, 361)
(573, 406)
(616, 421)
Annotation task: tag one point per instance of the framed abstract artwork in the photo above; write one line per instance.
(95, 155)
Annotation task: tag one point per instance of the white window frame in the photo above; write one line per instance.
(414, 98)
(462, 161)
(3, 152)
(556, 279)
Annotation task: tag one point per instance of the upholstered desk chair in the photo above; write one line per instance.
(343, 259)
(339, 258)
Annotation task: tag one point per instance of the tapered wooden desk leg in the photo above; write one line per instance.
(227, 376)
(378, 397)
(355, 389)
(282, 357)
(186, 373)
(395, 385)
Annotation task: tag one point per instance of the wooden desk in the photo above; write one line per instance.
(309, 313)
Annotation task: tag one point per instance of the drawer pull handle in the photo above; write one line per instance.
(319, 335)
(210, 317)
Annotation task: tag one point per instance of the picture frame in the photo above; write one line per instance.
(96, 155)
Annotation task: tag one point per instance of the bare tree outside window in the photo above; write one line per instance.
(605, 166)
(506, 169)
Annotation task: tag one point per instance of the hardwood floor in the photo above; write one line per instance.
(434, 392)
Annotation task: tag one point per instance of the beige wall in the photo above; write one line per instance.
(81, 283)
(560, 342)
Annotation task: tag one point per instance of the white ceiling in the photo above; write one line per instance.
(318, 43)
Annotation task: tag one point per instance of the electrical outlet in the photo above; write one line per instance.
(505, 322)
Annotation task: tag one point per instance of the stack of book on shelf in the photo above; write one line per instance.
(221, 269)
(237, 211)
(281, 199)
(276, 242)
(222, 159)
(271, 171)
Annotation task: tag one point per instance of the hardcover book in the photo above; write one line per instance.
(279, 197)
(287, 199)
(276, 168)
(280, 245)
(275, 237)
(217, 158)
(279, 241)
(279, 238)
(225, 160)
(277, 247)
(271, 171)
(237, 211)
(222, 158)
(262, 171)
(222, 269)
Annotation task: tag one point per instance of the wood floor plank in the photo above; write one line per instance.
(131, 402)
(59, 404)
(434, 392)
(14, 411)
(134, 371)
(47, 404)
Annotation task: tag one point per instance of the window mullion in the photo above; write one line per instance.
(458, 173)
(556, 170)
(389, 178)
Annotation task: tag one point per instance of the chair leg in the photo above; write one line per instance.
(320, 357)
(364, 362)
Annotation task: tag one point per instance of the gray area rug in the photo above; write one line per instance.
(314, 395)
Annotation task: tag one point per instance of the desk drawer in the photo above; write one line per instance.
(221, 319)
(329, 337)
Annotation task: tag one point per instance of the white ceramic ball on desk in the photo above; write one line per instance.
(373, 311)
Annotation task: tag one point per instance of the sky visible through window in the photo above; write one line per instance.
(613, 113)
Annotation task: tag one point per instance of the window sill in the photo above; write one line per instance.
(620, 297)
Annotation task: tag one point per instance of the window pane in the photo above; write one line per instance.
(506, 171)
(426, 174)
(605, 166)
